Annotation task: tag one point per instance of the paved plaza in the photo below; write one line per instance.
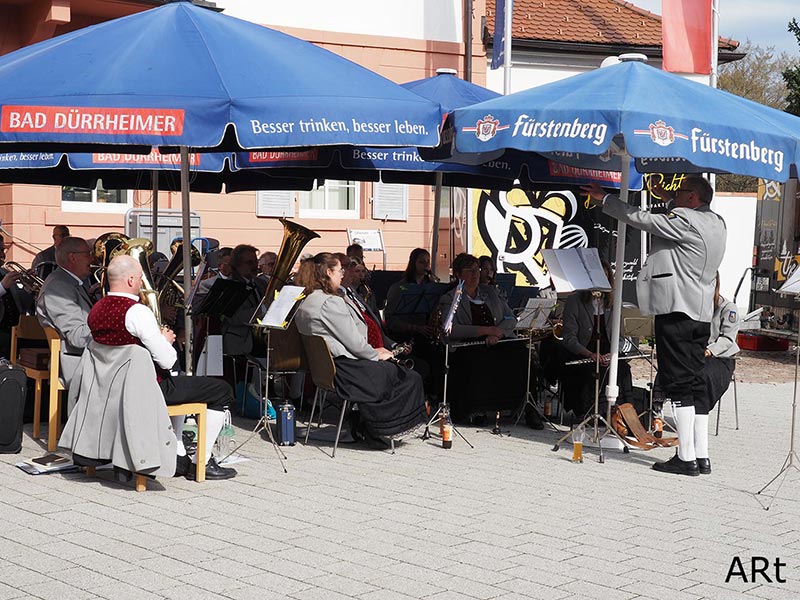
(509, 519)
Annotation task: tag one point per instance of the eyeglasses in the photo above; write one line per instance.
(678, 191)
(472, 270)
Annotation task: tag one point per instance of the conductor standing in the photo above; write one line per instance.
(676, 284)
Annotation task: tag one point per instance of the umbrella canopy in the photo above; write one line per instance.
(404, 165)
(209, 173)
(666, 122)
(181, 75)
(623, 111)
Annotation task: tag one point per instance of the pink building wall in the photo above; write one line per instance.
(30, 212)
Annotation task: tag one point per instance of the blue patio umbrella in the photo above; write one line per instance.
(182, 76)
(629, 110)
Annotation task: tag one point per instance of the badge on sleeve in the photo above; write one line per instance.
(732, 316)
(671, 215)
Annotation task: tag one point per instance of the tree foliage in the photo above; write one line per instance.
(759, 76)
(791, 76)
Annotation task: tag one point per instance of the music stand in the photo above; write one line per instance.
(446, 326)
(419, 298)
(791, 458)
(538, 309)
(222, 300)
(279, 315)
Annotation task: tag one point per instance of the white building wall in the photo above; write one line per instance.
(438, 20)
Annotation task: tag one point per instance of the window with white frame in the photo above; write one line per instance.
(333, 200)
(77, 199)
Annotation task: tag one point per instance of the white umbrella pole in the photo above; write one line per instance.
(187, 256)
(437, 211)
(612, 389)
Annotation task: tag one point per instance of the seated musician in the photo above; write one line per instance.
(389, 396)
(403, 325)
(223, 271)
(488, 270)
(587, 317)
(718, 369)
(484, 317)
(119, 319)
(358, 282)
(237, 333)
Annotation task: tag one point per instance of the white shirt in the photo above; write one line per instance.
(140, 322)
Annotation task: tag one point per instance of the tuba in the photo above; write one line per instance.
(295, 237)
(140, 249)
(170, 291)
(102, 251)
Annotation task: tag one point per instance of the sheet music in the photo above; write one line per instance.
(278, 312)
(573, 269)
(535, 313)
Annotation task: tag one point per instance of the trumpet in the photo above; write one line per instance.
(28, 279)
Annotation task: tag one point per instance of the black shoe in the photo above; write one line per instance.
(213, 471)
(182, 465)
(678, 466)
(704, 465)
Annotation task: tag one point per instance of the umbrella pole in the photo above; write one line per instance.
(437, 211)
(612, 389)
(187, 257)
(154, 181)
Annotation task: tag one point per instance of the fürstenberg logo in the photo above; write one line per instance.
(527, 126)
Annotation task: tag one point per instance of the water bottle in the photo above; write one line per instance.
(225, 443)
(446, 427)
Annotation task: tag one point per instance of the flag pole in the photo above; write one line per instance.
(509, 14)
(712, 81)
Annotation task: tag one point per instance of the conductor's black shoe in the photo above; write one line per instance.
(704, 466)
(182, 465)
(678, 466)
(213, 471)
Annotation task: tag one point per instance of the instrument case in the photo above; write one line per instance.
(13, 389)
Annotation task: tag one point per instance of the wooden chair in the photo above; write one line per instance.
(30, 329)
(199, 410)
(323, 370)
(56, 389)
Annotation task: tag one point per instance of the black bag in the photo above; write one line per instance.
(13, 388)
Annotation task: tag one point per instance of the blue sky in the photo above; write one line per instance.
(763, 21)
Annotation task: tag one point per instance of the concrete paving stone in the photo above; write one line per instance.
(777, 591)
(654, 589)
(20, 577)
(167, 565)
(342, 585)
(585, 589)
(469, 588)
(83, 578)
(714, 592)
(410, 586)
(488, 550)
(386, 595)
(211, 581)
(533, 589)
(544, 572)
(659, 565)
(57, 589)
(151, 581)
(9, 593)
(229, 567)
(103, 563)
(39, 561)
(473, 573)
(601, 564)
(188, 592)
(309, 557)
(186, 553)
(292, 569)
(540, 550)
(274, 582)
(318, 594)
(672, 582)
(252, 592)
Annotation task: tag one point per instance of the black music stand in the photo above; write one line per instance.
(222, 300)
(446, 326)
(419, 298)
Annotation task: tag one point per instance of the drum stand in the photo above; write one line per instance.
(437, 416)
(791, 458)
(263, 421)
(596, 416)
(529, 399)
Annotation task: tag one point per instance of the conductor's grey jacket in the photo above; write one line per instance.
(686, 249)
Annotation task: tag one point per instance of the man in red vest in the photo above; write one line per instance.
(119, 319)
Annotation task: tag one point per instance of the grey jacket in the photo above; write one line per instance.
(462, 321)
(119, 412)
(686, 249)
(724, 327)
(339, 322)
(64, 305)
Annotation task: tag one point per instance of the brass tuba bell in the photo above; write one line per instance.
(102, 250)
(140, 249)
